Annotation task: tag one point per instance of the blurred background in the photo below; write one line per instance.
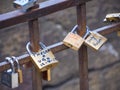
(104, 65)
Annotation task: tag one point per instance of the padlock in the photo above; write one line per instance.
(118, 33)
(10, 77)
(24, 4)
(18, 70)
(113, 17)
(73, 40)
(95, 40)
(43, 59)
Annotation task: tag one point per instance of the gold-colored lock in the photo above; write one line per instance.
(47, 75)
(118, 33)
(95, 40)
(113, 17)
(73, 40)
(43, 59)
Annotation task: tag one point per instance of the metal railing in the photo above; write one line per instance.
(46, 8)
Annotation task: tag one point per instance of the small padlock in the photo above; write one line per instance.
(18, 70)
(118, 33)
(95, 40)
(73, 40)
(43, 59)
(24, 4)
(10, 77)
(112, 17)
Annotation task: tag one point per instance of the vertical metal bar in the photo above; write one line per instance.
(34, 39)
(83, 57)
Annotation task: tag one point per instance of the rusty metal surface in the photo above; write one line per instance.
(45, 8)
(82, 53)
(34, 40)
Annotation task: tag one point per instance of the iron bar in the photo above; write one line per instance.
(45, 8)
(34, 40)
(82, 53)
(25, 58)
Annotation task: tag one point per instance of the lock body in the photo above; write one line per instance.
(44, 59)
(118, 33)
(73, 41)
(95, 40)
(24, 4)
(9, 79)
(113, 17)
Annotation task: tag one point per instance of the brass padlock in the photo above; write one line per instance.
(18, 70)
(95, 40)
(73, 40)
(43, 59)
(113, 17)
(118, 33)
(10, 77)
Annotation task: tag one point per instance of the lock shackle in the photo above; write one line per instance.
(12, 63)
(16, 60)
(28, 48)
(87, 32)
(74, 29)
(42, 45)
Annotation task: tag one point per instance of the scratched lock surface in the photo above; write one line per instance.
(73, 41)
(95, 40)
(44, 60)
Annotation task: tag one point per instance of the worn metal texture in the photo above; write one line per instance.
(45, 8)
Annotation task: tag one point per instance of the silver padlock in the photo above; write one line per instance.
(43, 59)
(10, 77)
(24, 4)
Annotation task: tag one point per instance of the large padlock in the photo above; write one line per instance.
(10, 77)
(95, 40)
(18, 70)
(24, 4)
(43, 59)
(73, 40)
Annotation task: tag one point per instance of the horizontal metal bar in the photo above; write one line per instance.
(108, 29)
(23, 59)
(45, 8)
